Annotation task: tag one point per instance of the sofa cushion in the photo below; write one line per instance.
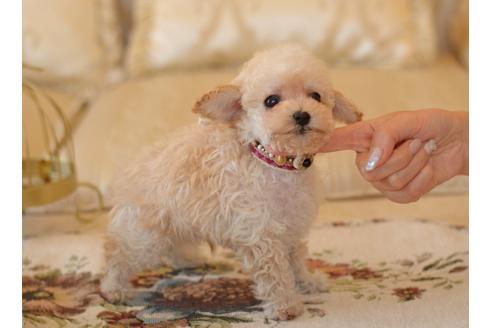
(71, 41)
(139, 112)
(170, 34)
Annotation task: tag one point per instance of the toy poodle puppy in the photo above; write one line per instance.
(241, 179)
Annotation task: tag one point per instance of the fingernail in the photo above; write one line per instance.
(430, 146)
(373, 159)
(415, 146)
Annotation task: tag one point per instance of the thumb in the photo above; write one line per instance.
(356, 137)
(390, 131)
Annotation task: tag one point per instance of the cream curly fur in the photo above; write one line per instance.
(203, 184)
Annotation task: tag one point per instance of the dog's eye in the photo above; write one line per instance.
(316, 96)
(271, 101)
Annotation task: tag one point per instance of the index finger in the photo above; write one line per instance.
(356, 137)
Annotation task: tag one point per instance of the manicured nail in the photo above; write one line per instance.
(415, 146)
(430, 146)
(373, 159)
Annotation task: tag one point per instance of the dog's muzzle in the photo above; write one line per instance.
(290, 163)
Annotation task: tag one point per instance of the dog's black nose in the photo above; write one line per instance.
(301, 118)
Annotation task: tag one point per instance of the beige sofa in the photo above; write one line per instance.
(120, 97)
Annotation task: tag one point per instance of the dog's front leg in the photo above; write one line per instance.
(306, 282)
(268, 261)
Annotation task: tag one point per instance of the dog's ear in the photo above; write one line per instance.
(345, 110)
(222, 103)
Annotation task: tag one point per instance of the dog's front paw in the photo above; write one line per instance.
(313, 283)
(115, 296)
(114, 292)
(285, 311)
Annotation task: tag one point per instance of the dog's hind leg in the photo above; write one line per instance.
(130, 247)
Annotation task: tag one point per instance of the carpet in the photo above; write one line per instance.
(381, 273)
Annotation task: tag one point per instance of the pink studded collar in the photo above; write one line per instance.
(290, 163)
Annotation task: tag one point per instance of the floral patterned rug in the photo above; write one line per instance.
(381, 273)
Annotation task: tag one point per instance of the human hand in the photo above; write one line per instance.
(406, 154)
